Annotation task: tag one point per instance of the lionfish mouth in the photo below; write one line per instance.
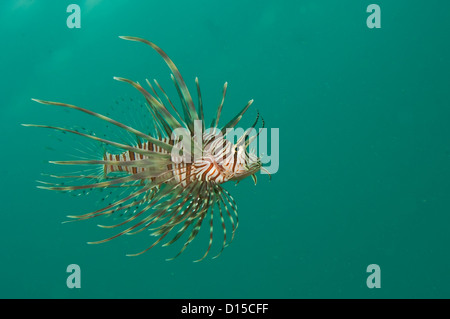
(155, 192)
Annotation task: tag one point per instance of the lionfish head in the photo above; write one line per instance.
(247, 164)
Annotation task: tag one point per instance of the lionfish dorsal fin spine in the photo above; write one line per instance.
(159, 109)
(200, 104)
(187, 116)
(174, 69)
(107, 119)
(167, 98)
(237, 118)
(219, 109)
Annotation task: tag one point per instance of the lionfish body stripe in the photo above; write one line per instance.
(165, 192)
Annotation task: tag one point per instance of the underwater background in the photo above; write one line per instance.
(364, 150)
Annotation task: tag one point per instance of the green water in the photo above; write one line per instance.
(363, 115)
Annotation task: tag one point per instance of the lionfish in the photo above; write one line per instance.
(169, 192)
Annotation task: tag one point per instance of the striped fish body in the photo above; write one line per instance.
(219, 163)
